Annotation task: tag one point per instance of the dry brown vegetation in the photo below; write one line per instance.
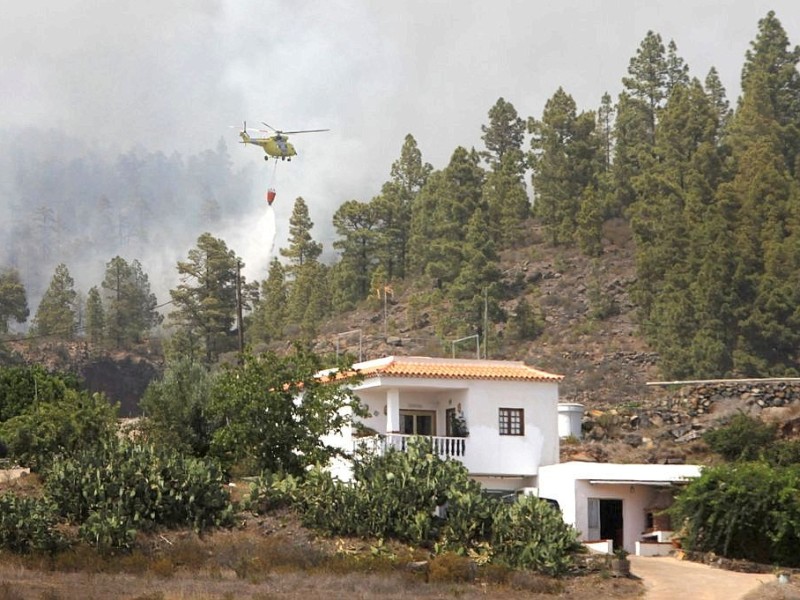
(274, 557)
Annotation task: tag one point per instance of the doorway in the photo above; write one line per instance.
(418, 422)
(605, 520)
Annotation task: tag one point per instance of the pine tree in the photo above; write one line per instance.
(770, 69)
(205, 300)
(392, 208)
(589, 223)
(476, 288)
(269, 314)
(605, 129)
(675, 190)
(95, 316)
(771, 56)
(716, 94)
(652, 75)
(565, 161)
(130, 305)
(302, 248)
(440, 216)
(13, 300)
(632, 148)
(56, 313)
(649, 78)
(309, 299)
(506, 199)
(356, 223)
(676, 67)
(524, 324)
(768, 257)
(505, 133)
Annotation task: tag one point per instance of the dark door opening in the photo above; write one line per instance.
(417, 422)
(611, 526)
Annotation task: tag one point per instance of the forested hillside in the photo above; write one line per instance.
(706, 192)
(67, 202)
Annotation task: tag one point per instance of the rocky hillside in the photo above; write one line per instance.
(590, 334)
(591, 338)
(121, 376)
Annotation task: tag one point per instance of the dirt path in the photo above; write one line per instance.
(667, 578)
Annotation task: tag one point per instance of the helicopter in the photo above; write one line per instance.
(275, 145)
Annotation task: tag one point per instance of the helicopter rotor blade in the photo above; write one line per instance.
(271, 127)
(303, 131)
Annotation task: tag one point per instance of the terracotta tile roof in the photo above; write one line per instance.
(445, 368)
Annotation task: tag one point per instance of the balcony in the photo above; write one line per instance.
(445, 447)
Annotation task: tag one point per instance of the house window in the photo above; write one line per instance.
(417, 422)
(512, 421)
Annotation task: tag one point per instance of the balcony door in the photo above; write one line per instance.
(418, 422)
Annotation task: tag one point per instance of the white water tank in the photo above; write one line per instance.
(570, 415)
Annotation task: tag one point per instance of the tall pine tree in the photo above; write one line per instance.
(56, 313)
(206, 300)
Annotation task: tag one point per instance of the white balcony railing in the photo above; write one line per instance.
(445, 447)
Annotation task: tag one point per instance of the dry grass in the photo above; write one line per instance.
(776, 591)
(275, 558)
(301, 585)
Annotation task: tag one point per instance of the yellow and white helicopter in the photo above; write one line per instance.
(276, 145)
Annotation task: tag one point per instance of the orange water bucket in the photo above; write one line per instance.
(270, 196)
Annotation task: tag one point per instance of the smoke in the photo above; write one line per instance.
(85, 83)
(254, 242)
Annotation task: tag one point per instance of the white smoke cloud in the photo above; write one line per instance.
(172, 76)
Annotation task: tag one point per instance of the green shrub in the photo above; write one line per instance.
(272, 491)
(121, 487)
(748, 510)
(22, 387)
(530, 534)
(28, 525)
(741, 438)
(397, 495)
(109, 529)
(414, 496)
(70, 424)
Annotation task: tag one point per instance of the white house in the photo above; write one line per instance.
(508, 410)
(501, 419)
(622, 503)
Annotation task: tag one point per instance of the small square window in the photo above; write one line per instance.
(512, 421)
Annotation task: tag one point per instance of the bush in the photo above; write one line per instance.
(530, 534)
(28, 525)
(414, 496)
(451, 568)
(741, 438)
(109, 529)
(744, 510)
(75, 421)
(272, 491)
(21, 387)
(121, 487)
(396, 495)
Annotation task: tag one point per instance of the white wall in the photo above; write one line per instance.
(635, 498)
(570, 484)
(487, 452)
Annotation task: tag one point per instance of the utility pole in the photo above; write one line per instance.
(485, 322)
(239, 321)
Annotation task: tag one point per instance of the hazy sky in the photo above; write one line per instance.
(173, 75)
